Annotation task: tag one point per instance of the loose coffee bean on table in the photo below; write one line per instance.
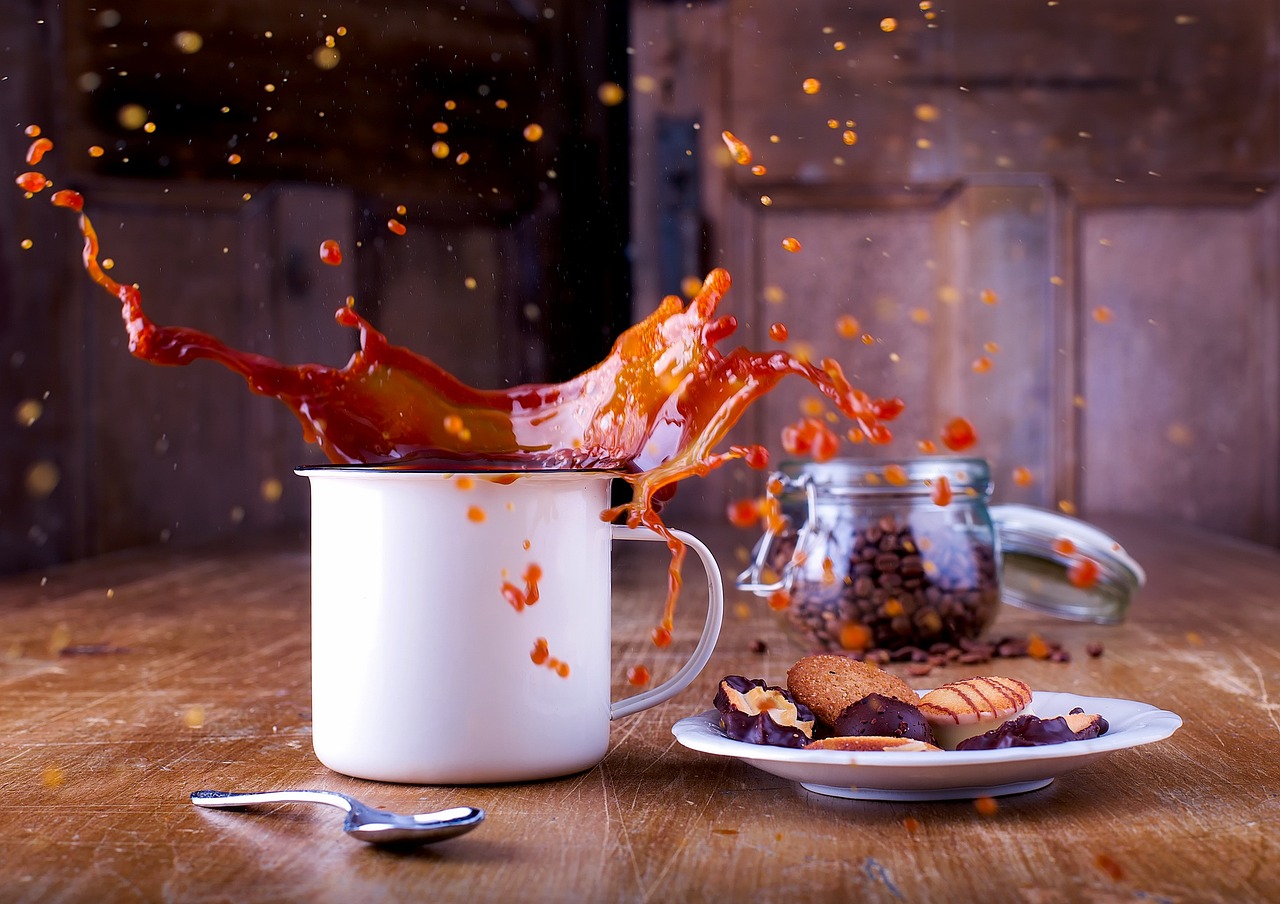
(970, 652)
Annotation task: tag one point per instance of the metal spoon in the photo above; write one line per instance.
(363, 821)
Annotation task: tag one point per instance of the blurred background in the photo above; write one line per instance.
(1055, 219)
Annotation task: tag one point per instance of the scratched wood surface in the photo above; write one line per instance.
(182, 671)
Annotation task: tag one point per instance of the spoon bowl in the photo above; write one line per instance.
(363, 822)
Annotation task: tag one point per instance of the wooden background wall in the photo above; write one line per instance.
(509, 271)
(1105, 168)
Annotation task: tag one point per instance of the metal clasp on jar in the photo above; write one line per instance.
(764, 576)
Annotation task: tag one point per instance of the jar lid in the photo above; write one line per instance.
(889, 476)
(1063, 566)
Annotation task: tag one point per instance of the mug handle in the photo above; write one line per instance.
(710, 629)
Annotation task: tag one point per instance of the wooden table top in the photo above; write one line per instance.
(129, 682)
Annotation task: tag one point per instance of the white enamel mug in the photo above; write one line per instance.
(461, 623)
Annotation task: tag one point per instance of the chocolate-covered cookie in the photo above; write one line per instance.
(754, 712)
(828, 683)
(878, 715)
(1031, 731)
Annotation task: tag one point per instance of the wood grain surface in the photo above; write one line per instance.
(128, 682)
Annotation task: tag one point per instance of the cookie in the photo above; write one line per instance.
(870, 742)
(828, 684)
(974, 706)
(876, 715)
(1027, 730)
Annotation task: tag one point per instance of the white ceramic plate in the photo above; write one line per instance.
(947, 774)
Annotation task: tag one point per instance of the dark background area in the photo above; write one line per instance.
(230, 139)
(1058, 222)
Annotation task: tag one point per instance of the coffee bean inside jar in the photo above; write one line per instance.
(866, 562)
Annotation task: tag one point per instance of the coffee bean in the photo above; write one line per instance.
(964, 652)
(1012, 649)
(888, 562)
(890, 580)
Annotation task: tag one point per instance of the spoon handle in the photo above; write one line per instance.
(216, 799)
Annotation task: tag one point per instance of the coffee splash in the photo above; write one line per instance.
(653, 411)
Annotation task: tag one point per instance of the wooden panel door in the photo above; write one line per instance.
(1079, 193)
(1179, 365)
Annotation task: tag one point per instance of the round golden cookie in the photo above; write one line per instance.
(827, 683)
(870, 742)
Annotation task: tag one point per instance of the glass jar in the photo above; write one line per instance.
(861, 555)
